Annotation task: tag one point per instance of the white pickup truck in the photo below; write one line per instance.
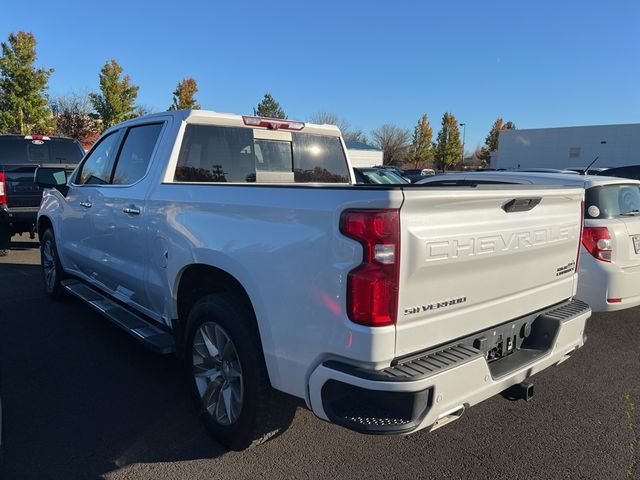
(244, 245)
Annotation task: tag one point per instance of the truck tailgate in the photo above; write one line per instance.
(472, 258)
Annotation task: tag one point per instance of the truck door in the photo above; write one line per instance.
(120, 223)
(77, 243)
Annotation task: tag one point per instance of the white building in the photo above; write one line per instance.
(363, 155)
(568, 147)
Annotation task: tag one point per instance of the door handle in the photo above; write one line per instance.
(132, 210)
(85, 204)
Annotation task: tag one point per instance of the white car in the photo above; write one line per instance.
(609, 274)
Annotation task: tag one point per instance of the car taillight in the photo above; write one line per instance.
(372, 287)
(597, 241)
(272, 123)
(3, 190)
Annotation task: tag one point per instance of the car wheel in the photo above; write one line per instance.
(52, 272)
(228, 374)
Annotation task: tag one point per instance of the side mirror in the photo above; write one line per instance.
(50, 177)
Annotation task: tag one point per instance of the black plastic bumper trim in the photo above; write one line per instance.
(544, 324)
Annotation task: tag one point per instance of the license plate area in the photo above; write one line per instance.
(636, 243)
(503, 340)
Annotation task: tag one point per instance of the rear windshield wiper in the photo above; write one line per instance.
(631, 213)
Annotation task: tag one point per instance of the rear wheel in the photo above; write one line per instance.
(52, 272)
(229, 377)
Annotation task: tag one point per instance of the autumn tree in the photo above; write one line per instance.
(74, 119)
(183, 95)
(491, 142)
(393, 141)
(448, 147)
(269, 107)
(420, 151)
(116, 101)
(24, 107)
(348, 133)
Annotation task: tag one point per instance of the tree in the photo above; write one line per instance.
(491, 142)
(393, 141)
(349, 134)
(268, 107)
(183, 95)
(421, 150)
(24, 107)
(73, 117)
(116, 101)
(448, 147)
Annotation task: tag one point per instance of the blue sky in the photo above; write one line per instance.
(539, 64)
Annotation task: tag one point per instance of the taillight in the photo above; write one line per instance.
(597, 241)
(3, 190)
(272, 123)
(372, 287)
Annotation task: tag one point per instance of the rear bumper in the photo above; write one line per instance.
(600, 281)
(434, 388)
(18, 215)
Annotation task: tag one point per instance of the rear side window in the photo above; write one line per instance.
(230, 154)
(611, 201)
(135, 154)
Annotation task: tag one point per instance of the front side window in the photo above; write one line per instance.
(231, 154)
(135, 154)
(96, 169)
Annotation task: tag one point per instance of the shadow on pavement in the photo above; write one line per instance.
(80, 398)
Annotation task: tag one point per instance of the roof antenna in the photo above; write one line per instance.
(584, 172)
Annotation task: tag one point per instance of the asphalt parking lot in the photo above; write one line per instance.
(82, 399)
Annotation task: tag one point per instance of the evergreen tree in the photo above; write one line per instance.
(268, 107)
(183, 95)
(491, 142)
(448, 148)
(421, 149)
(24, 105)
(116, 101)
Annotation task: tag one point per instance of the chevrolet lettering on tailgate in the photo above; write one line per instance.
(497, 243)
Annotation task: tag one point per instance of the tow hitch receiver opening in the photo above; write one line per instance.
(523, 390)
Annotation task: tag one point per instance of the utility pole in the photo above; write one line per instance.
(464, 133)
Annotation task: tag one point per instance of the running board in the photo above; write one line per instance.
(150, 335)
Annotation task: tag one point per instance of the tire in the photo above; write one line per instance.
(52, 272)
(231, 388)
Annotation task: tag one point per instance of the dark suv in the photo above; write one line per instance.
(20, 155)
(629, 171)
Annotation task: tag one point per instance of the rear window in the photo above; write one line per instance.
(231, 154)
(381, 177)
(15, 150)
(611, 201)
